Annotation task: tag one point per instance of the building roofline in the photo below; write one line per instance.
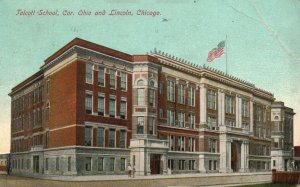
(206, 70)
(89, 45)
(26, 82)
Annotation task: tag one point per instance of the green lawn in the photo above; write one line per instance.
(270, 185)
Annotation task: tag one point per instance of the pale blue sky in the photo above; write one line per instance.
(263, 39)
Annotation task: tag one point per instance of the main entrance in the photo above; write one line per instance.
(36, 164)
(155, 164)
(234, 157)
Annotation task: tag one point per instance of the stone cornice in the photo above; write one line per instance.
(210, 73)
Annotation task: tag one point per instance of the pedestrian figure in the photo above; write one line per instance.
(129, 170)
(169, 171)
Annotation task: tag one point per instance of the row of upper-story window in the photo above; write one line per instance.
(35, 119)
(181, 119)
(191, 146)
(141, 125)
(100, 137)
(101, 105)
(262, 132)
(259, 113)
(140, 100)
(259, 149)
(89, 76)
(181, 93)
(211, 100)
(33, 97)
(181, 164)
(181, 145)
(23, 144)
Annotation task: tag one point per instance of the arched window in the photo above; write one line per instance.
(140, 82)
(151, 83)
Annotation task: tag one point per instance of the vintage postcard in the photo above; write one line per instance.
(149, 93)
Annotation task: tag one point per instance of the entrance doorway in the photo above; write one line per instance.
(36, 164)
(155, 164)
(233, 157)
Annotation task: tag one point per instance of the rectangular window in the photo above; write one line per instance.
(245, 108)
(245, 125)
(88, 103)
(191, 120)
(47, 88)
(101, 76)
(212, 145)
(123, 81)
(229, 104)
(69, 163)
(151, 125)
(171, 164)
(23, 122)
(101, 105)
(210, 165)
(112, 137)
(191, 96)
(89, 73)
(47, 139)
(161, 88)
(88, 136)
(181, 119)
(215, 165)
(141, 96)
(274, 163)
(192, 144)
(34, 118)
(88, 163)
(28, 164)
(28, 122)
(123, 110)
(123, 163)
(140, 125)
(172, 142)
(100, 137)
(28, 100)
(211, 99)
(258, 113)
(122, 138)
(192, 164)
(276, 125)
(161, 113)
(211, 123)
(151, 97)
(230, 122)
(112, 164)
(112, 78)
(57, 163)
(181, 165)
(112, 108)
(171, 117)
(171, 90)
(47, 163)
(181, 143)
(181, 93)
(100, 163)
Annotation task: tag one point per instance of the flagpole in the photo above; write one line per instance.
(226, 52)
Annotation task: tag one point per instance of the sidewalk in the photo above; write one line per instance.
(186, 180)
(125, 177)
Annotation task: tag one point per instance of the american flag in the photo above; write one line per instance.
(216, 52)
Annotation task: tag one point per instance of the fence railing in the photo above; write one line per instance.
(290, 177)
